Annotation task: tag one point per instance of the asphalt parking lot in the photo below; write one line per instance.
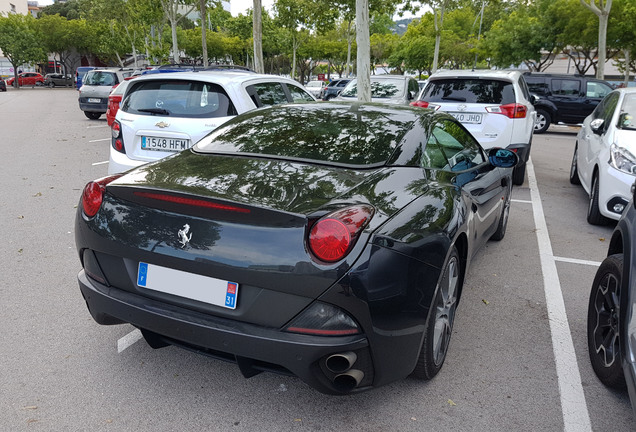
(517, 361)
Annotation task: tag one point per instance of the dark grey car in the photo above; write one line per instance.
(58, 80)
(333, 89)
(611, 324)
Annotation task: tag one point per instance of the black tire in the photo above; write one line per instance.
(574, 170)
(503, 219)
(603, 330)
(519, 174)
(92, 115)
(51, 84)
(542, 122)
(594, 216)
(439, 325)
(329, 97)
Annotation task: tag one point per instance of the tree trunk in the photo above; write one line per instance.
(363, 63)
(603, 15)
(204, 40)
(602, 44)
(438, 35)
(259, 67)
(294, 47)
(175, 46)
(349, 43)
(626, 81)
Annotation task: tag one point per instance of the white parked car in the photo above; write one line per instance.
(389, 89)
(161, 114)
(315, 88)
(495, 106)
(604, 160)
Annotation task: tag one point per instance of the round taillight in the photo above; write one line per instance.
(119, 146)
(92, 198)
(333, 237)
(115, 129)
(329, 240)
(93, 194)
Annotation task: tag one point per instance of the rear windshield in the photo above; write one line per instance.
(385, 88)
(340, 134)
(190, 99)
(100, 78)
(486, 91)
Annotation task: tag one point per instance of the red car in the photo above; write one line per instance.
(115, 98)
(27, 78)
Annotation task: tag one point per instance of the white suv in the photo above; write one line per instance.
(165, 113)
(495, 106)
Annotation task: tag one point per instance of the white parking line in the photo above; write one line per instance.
(577, 261)
(100, 163)
(128, 340)
(98, 140)
(576, 418)
(521, 201)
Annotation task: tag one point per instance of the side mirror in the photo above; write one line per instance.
(534, 99)
(597, 126)
(502, 158)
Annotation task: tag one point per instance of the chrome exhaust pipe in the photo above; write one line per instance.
(348, 381)
(341, 362)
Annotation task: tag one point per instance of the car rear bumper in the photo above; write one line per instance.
(119, 162)
(522, 150)
(99, 107)
(254, 348)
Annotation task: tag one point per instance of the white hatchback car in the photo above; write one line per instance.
(495, 106)
(161, 114)
(604, 159)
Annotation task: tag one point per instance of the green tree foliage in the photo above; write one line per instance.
(521, 37)
(70, 10)
(21, 41)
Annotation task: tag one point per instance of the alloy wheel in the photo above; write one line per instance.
(445, 311)
(606, 309)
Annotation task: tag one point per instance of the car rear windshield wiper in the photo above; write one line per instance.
(155, 111)
(458, 99)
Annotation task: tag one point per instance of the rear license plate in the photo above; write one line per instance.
(94, 100)
(469, 118)
(164, 144)
(188, 285)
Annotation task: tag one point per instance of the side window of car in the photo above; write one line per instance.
(450, 147)
(524, 88)
(608, 110)
(263, 94)
(298, 94)
(597, 90)
(566, 87)
(414, 87)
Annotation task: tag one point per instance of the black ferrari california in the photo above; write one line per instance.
(325, 240)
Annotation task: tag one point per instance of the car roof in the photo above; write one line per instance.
(216, 77)
(511, 75)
